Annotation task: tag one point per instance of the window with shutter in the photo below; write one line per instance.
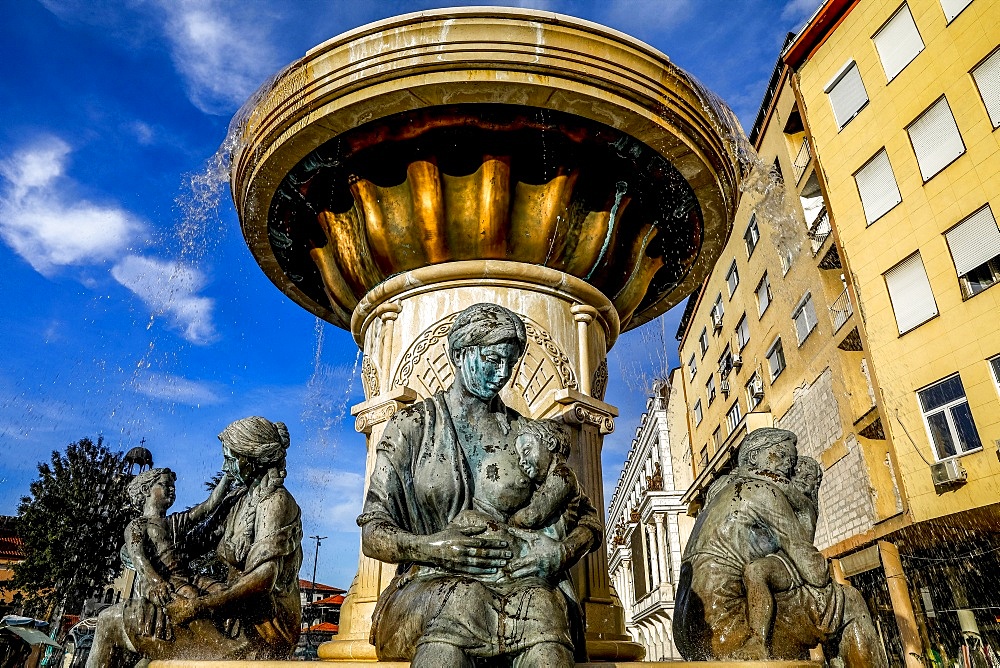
(910, 293)
(975, 249)
(935, 138)
(752, 235)
(877, 187)
(742, 332)
(734, 416)
(763, 295)
(953, 8)
(847, 94)
(898, 42)
(703, 341)
(805, 318)
(732, 279)
(775, 359)
(987, 77)
(697, 413)
(692, 367)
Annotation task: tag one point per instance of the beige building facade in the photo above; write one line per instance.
(902, 106)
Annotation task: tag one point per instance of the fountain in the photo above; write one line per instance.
(410, 168)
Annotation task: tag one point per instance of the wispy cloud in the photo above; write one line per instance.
(176, 389)
(170, 289)
(222, 56)
(797, 11)
(44, 225)
(334, 499)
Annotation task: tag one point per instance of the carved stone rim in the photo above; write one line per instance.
(491, 273)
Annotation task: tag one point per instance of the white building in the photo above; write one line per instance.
(647, 523)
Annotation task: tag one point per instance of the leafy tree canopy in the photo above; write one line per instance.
(72, 525)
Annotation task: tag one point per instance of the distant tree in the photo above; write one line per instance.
(72, 525)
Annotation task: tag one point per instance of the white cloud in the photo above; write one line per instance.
(40, 222)
(176, 389)
(334, 499)
(798, 11)
(171, 289)
(222, 57)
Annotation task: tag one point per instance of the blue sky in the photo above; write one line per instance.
(131, 306)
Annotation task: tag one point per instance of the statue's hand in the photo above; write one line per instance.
(544, 557)
(461, 551)
(183, 610)
(160, 593)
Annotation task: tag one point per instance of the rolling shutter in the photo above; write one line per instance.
(847, 94)
(910, 293)
(898, 42)
(877, 187)
(953, 8)
(987, 78)
(975, 241)
(936, 139)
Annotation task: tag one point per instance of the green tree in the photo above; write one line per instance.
(72, 525)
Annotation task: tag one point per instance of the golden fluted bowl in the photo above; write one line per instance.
(484, 133)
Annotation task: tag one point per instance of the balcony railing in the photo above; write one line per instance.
(841, 310)
(801, 160)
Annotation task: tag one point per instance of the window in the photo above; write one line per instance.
(975, 248)
(703, 458)
(742, 332)
(710, 389)
(898, 42)
(697, 413)
(732, 279)
(948, 418)
(910, 293)
(935, 138)
(953, 8)
(717, 438)
(847, 94)
(776, 359)
(718, 310)
(755, 391)
(877, 187)
(733, 416)
(726, 363)
(752, 235)
(805, 318)
(703, 341)
(692, 367)
(763, 294)
(995, 364)
(987, 77)
(786, 257)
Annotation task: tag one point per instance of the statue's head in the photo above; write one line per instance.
(808, 476)
(537, 442)
(770, 450)
(142, 486)
(484, 343)
(253, 445)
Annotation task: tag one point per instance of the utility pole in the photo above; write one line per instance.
(318, 539)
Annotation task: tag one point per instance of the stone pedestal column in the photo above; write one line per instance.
(402, 327)
(902, 606)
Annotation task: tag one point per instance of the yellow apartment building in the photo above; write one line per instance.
(901, 103)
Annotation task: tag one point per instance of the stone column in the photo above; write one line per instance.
(663, 549)
(902, 606)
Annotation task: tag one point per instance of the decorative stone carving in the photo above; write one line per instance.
(654, 483)
(369, 377)
(753, 586)
(255, 529)
(377, 414)
(543, 368)
(600, 382)
(478, 506)
(580, 413)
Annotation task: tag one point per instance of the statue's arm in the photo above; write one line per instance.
(208, 506)
(791, 536)
(551, 499)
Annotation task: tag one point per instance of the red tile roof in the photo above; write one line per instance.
(306, 585)
(336, 599)
(11, 546)
(325, 626)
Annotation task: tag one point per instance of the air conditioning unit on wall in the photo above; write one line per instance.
(948, 474)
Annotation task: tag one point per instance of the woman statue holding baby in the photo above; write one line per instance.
(256, 532)
(450, 474)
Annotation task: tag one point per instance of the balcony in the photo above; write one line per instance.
(841, 310)
(801, 160)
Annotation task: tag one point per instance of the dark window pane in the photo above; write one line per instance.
(967, 434)
(941, 393)
(941, 435)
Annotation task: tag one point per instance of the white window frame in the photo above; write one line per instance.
(776, 347)
(886, 200)
(732, 279)
(902, 303)
(994, 363)
(692, 367)
(890, 38)
(752, 403)
(751, 226)
(710, 391)
(991, 96)
(845, 76)
(974, 243)
(805, 308)
(949, 419)
(952, 7)
(719, 308)
(929, 167)
(699, 413)
(766, 283)
(734, 416)
(742, 327)
(703, 341)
